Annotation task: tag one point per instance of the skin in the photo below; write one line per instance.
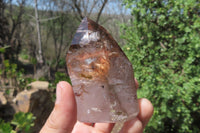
(63, 117)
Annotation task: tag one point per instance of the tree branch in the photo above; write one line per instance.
(102, 7)
(78, 9)
(93, 5)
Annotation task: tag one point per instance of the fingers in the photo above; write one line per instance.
(132, 126)
(104, 127)
(82, 128)
(63, 116)
(136, 83)
(137, 125)
(97, 128)
(146, 110)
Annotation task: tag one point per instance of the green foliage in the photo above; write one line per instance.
(3, 49)
(24, 55)
(10, 69)
(22, 122)
(5, 127)
(23, 81)
(33, 60)
(62, 63)
(59, 76)
(15, 74)
(163, 45)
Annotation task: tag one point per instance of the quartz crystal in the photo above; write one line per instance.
(101, 75)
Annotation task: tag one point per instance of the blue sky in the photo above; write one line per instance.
(112, 7)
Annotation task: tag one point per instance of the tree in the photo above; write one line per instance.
(12, 16)
(60, 29)
(163, 45)
(3, 31)
(40, 58)
(86, 7)
(68, 15)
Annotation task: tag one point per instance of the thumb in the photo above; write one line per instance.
(63, 116)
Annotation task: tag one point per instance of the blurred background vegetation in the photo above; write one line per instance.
(160, 37)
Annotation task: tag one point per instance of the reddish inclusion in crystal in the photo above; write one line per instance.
(101, 54)
(95, 69)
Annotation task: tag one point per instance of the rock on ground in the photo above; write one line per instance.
(3, 100)
(37, 101)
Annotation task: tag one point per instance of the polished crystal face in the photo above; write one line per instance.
(101, 75)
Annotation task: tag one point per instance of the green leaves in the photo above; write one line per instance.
(5, 127)
(21, 121)
(187, 29)
(163, 46)
(3, 49)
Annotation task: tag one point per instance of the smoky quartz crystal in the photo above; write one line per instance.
(102, 76)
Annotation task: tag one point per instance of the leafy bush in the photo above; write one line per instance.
(10, 69)
(15, 75)
(163, 43)
(5, 127)
(22, 122)
(59, 76)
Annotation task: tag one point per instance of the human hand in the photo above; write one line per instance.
(63, 117)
